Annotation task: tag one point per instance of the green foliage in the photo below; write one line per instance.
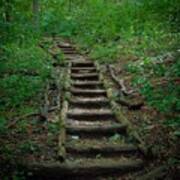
(148, 30)
(19, 176)
(3, 124)
(22, 126)
(28, 146)
(116, 138)
(24, 69)
(161, 94)
(104, 53)
(60, 57)
(109, 30)
(7, 151)
(53, 127)
(18, 88)
(24, 66)
(27, 59)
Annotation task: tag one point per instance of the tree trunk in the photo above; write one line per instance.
(7, 11)
(70, 5)
(35, 9)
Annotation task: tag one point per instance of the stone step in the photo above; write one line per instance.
(87, 84)
(89, 123)
(82, 69)
(102, 149)
(88, 92)
(69, 52)
(68, 49)
(96, 129)
(83, 64)
(89, 102)
(65, 46)
(91, 114)
(83, 167)
(87, 76)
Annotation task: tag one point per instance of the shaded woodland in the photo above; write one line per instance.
(136, 46)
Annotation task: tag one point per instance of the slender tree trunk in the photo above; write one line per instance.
(70, 5)
(35, 9)
(7, 11)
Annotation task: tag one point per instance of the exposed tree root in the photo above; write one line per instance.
(135, 106)
(125, 92)
(119, 82)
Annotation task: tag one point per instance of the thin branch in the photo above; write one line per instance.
(15, 120)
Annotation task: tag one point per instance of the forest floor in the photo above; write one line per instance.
(35, 137)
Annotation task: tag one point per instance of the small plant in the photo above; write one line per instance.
(175, 124)
(60, 57)
(18, 175)
(3, 125)
(29, 147)
(53, 128)
(7, 152)
(22, 126)
(104, 54)
(116, 138)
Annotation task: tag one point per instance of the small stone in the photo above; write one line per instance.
(30, 173)
(75, 137)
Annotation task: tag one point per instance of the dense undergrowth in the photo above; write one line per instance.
(25, 69)
(143, 33)
(24, 66)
